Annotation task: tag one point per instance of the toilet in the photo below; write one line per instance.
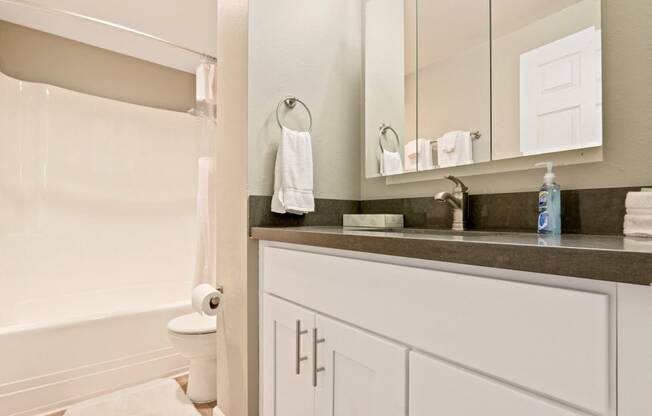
(193, 335)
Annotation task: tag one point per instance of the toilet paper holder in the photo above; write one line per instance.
(216, 300)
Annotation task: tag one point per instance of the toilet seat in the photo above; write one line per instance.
(193, 324)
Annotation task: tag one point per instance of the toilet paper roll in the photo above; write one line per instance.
(207, 300)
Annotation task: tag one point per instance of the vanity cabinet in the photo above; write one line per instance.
(452, 339)
(313, 365)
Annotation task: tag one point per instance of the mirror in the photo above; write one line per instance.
(454, 83)
(546, 75)
(460, 82)
(390, 86)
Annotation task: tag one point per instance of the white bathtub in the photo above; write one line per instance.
(68, 357)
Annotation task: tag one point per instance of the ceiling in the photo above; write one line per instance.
(192, 26)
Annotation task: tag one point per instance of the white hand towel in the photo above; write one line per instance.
(390, 163)
(638, 225)
(462, 153)
(206, 245)
(206, 82)
(293, 191)
(639, 200)
(448, 141)
(410, 153)
(418, 155)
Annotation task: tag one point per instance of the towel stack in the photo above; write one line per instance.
(638, 219)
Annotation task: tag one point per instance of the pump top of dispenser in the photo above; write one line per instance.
(549, 177)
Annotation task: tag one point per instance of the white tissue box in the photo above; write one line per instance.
(373, 220)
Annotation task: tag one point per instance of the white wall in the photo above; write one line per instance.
(311, 49)
(95, 194)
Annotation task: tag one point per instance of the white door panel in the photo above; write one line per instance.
(363, 374)
(558, 96)
(438, 388)
(286, 393)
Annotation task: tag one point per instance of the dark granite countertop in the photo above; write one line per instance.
(609, 258)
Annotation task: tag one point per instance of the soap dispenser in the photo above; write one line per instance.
(549, 217)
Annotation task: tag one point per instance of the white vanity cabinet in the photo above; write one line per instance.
(313, 365)
(410, 337)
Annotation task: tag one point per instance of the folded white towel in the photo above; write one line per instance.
(639, 200)
(390, 163)
(462, 150)
(293, 174)
(206, 245)
(637, 244)
(638, 225)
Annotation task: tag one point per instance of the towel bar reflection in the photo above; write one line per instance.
(475, 135)
(291, 102)
(382, 130)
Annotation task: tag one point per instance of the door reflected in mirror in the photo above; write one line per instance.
(547, 76)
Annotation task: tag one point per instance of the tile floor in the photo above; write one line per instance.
(205, 409)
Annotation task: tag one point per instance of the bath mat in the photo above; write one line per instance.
(157, 398)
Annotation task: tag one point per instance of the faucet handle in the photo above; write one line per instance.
(459, 185)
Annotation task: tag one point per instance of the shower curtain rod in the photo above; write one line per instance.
(34, 5)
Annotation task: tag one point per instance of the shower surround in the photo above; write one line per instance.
(97, 239)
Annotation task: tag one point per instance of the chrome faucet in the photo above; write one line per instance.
(459, 200)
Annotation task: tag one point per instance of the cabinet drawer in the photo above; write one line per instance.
(438, 388)
(551, 341)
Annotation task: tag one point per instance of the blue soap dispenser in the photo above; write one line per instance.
(549, 220)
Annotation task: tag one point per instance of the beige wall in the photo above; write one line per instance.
(311, 49)
(36, 56)
(627, 64)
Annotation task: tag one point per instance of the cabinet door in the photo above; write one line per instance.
(287, 383)
(439, 388)
(362, 374)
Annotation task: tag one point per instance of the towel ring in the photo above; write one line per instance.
(383, 130)
(291, 102)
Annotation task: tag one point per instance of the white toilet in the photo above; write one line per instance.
(193, 335)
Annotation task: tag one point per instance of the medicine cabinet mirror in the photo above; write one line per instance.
(462, 82)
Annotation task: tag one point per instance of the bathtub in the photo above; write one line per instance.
(70, 356)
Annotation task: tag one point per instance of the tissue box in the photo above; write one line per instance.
(373, 220)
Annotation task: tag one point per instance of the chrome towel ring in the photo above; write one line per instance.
(291, 102)
(383, 130)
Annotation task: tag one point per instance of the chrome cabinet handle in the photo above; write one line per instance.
(315, 369)
(298, 341)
